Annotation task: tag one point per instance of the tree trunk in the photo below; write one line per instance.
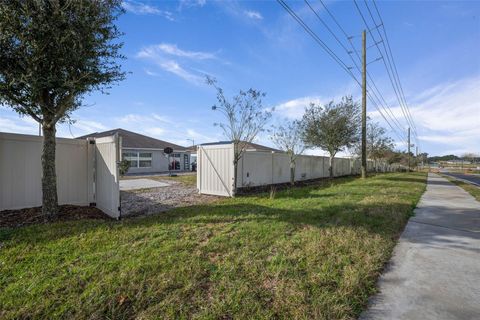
(235, 173)
(49, 177)
(330, 166)
(292, 172)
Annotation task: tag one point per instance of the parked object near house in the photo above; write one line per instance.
(146, 154)
(261, 166)
(87, 172)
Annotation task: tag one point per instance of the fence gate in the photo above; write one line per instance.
(215, 169)
(107, 191)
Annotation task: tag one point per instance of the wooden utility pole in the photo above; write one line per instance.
(364, 104)
(408, 149)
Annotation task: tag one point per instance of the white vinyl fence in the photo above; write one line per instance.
(87, 172)
(215, 169)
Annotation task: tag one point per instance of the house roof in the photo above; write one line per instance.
(135, 140)
(250, 146)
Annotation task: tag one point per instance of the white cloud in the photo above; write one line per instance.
(295, 108)
(88, 126)
(151, 73)
(191, 3)
(253, 14)
(446, 116)
(18, 125)
(173, 67)
(162, 54)
(140, 8)
(172, 49)
(155, 131)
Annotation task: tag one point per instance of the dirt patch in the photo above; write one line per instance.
(154, 200)
(23, 217)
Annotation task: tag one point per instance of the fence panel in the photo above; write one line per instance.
(107, 190)
(215, 169)
(256, 169)
(21, 171)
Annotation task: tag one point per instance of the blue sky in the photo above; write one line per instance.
(171, 45)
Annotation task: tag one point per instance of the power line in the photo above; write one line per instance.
(329, 51)
(394, 69)
(389, 71)
(315, 37)
(393, 60)
(391, 114)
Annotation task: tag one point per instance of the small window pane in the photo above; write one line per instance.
(132, 158)
(145, 155)
(145, 163)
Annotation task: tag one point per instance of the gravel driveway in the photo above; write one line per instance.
(154, 200)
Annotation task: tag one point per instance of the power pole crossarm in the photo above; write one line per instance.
(364, 104)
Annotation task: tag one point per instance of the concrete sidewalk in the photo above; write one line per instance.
(434, 272)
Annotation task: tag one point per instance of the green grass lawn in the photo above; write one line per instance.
(310, 253)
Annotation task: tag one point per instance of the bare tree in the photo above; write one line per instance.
(245, 118)
(288, 137)
(333, 127)
(52, 53)
(470, 156)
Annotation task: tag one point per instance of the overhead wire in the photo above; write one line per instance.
(327, 49)
(389, 70)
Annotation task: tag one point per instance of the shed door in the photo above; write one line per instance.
(107, 191)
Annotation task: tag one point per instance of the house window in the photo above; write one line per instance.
(132, 158)
(138, 159)
(145, 159)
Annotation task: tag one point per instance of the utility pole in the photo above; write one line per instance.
(408, 149)
(364, 104)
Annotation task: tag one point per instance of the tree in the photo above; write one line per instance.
(52, 53)
(378, 143)
(470, 156)
(288, 137)
(245, 118)
(332, 127)
(123, 167)
(422, 158)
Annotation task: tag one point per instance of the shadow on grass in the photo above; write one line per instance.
(385, 219)
(379, 219)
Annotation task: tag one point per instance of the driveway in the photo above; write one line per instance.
(435, 269)
(136, 184)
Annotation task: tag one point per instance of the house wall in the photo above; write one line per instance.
(159, 161)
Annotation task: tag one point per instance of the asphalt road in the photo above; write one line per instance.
(474, 178)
